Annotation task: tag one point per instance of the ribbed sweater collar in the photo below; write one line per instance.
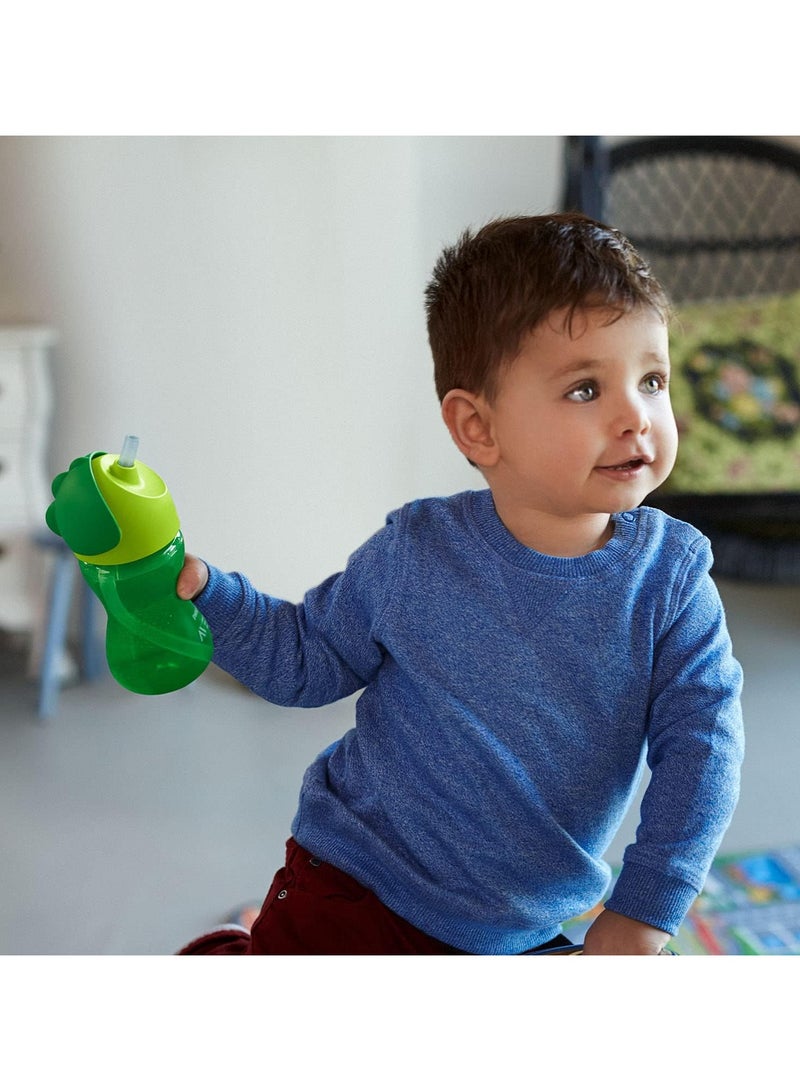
(481, 510)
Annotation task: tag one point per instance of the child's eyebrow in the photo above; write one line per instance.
(574, 366)
(592, 363)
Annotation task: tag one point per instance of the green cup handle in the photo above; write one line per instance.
(162, 638)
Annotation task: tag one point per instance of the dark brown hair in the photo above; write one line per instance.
(492, 288)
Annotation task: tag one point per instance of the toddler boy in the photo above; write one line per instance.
(521, 649)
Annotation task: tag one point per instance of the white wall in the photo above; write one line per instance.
(252, 308)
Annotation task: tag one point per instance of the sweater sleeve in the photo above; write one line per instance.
(695, 751)
(310, 653)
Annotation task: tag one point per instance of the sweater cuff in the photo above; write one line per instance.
(207, 589)
(222, 591)
(661, 901)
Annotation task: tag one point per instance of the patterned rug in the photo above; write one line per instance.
(750, 905)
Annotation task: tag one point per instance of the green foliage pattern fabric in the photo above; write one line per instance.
(736, 395)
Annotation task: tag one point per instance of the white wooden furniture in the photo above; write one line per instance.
(38, 573)
(25, 410)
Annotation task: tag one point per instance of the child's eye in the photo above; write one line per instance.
(654, 384)
(586, 392)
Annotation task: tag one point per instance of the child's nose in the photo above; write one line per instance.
(632, 416)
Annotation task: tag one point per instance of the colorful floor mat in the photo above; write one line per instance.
(750, 905)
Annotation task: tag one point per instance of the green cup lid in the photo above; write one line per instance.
(108, 513)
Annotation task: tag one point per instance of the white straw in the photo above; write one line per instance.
(127, 455)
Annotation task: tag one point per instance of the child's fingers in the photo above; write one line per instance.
(193, 577)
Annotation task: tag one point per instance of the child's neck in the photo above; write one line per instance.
(554, 535)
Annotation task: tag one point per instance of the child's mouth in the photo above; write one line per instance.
(631, 464)
(625, 470)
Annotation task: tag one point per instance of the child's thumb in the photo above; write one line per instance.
(192, 579)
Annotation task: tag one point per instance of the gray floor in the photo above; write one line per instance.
(129, 824)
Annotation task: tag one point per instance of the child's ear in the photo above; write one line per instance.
(469, 421)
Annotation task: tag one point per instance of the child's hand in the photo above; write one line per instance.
(613, 934)
(193, 577)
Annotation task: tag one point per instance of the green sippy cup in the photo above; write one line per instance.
(118, 518)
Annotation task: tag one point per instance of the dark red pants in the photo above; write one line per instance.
(313, 908)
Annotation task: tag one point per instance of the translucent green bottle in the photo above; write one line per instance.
(118, 518)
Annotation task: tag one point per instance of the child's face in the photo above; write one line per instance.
(582, 423)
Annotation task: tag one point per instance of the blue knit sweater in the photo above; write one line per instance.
(509, 701)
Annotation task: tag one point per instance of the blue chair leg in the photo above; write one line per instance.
(92, 652)
(64, 572)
